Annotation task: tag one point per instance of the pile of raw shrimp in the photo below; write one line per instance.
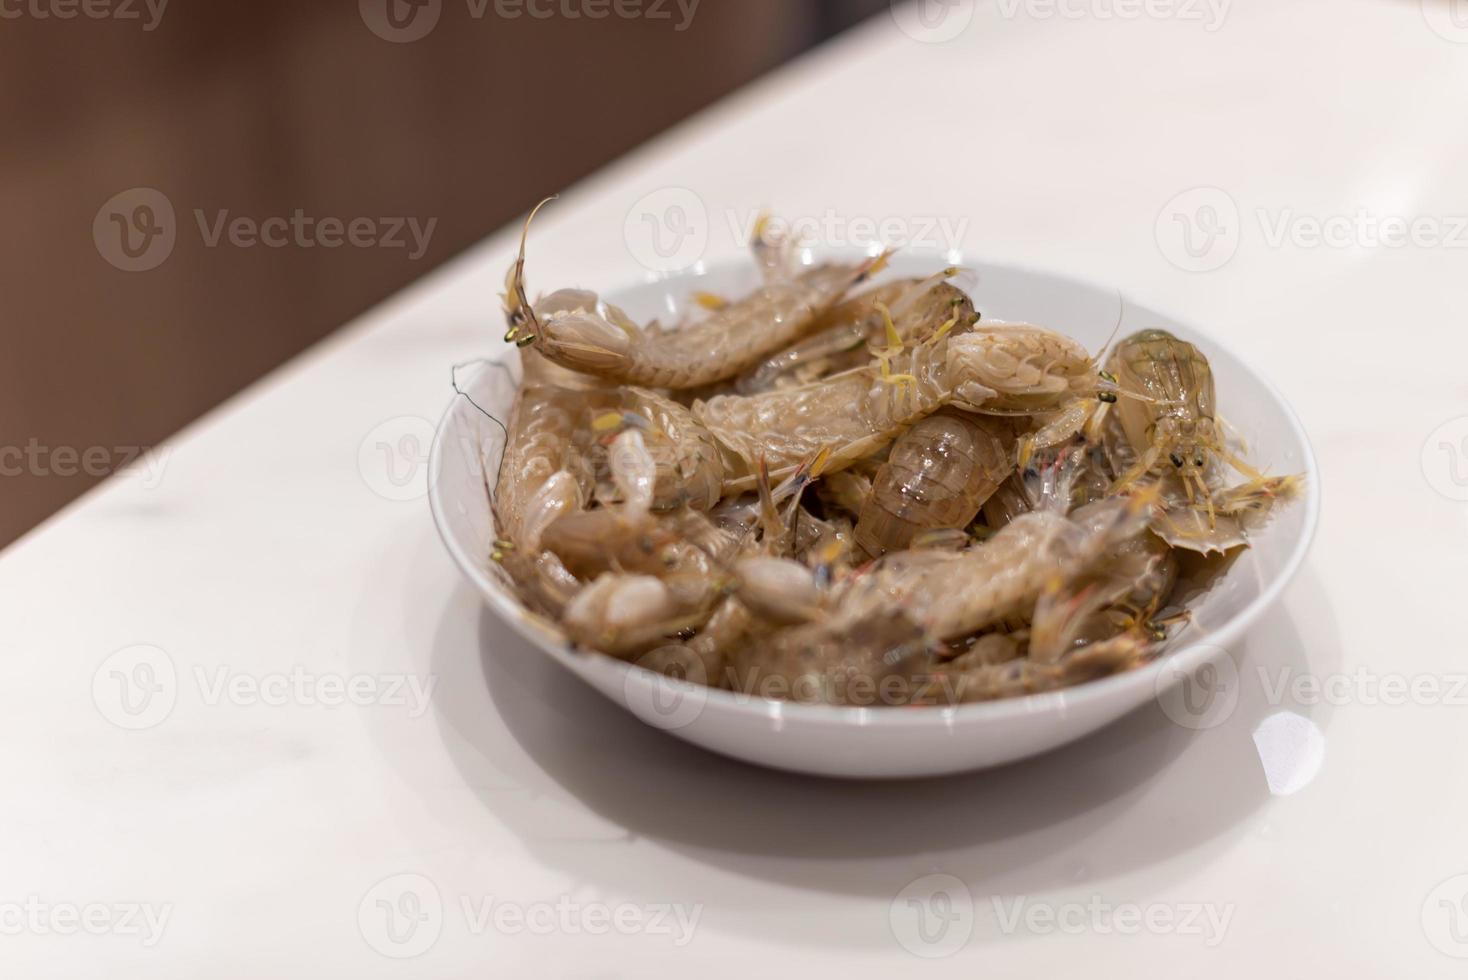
(837, 492)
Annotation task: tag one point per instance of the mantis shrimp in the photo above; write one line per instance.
(543, 477)
(690, 471)
(1169, 418)
(989, 514)
(906, 312)
(576, 330)
(1008, 368)
(940, 472)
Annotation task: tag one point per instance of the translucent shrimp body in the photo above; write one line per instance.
(539, 483)
(848, 335)
(690, 470)
(958, 594)
(858, 412)
(938, 475)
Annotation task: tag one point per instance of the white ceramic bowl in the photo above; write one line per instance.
(895, 742)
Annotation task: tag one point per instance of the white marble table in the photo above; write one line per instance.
(201, 719)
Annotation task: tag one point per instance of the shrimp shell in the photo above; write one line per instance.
(859, 412)
(603, 341)
(938, 475)
(958, 594)
(690, 470)
(846, 336)
(542, 478)
(877, 658)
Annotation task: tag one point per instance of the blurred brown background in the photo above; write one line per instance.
(266, 107)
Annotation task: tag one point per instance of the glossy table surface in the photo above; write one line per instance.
(253, 723)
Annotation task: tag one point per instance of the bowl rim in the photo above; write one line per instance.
(1148, 678)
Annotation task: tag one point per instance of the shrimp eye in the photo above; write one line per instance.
(1176, 460)
(1198, 461)
(1109, 397)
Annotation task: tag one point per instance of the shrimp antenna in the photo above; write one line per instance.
(454, 381)
(1120, 316)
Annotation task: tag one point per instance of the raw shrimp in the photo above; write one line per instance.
(991, 516)
(1170, 411)
(537, 486)
(779, 590)
(684, 550)
(1007, 502)
(623, 614)
(626, 611)
(702, 660)
(1176, 414)
(876, 658)
(899, 313)
(957, 594)
(938, 475)
(1235, 512)
(1006, 369)
(576, 330)
(1121, 593)
(847, 490)
(690, 470)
